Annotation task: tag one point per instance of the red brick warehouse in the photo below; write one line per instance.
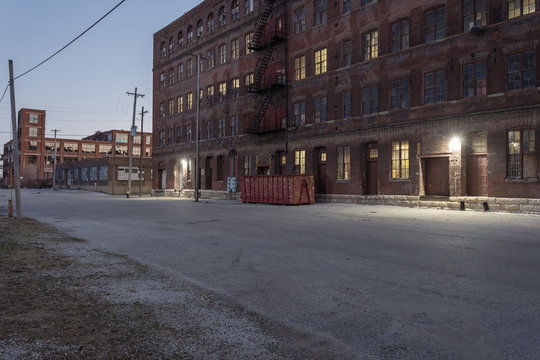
(436, 98)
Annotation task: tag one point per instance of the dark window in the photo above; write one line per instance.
(220, 168)
(400, 94)
(320, 109)
(346, 6)
(521, 70)
(434, 24)
(434, 87)
(178, 135)
(299, 20)
(474, 79)
(400, 35)
(299, 113)
(370, 100)
(347, 104)
(347, 53)
(474, 13)
(320, 11)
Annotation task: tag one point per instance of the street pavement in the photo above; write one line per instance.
(383, 282)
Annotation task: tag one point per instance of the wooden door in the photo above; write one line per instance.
(437, 183)
(477, 175)
(372, 157)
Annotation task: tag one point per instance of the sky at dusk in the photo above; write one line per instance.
(83, 89)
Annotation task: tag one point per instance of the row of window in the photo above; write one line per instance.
(234, 13)
(473, 12)
(179, 73)
(179, 135)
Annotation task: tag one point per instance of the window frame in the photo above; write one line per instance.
(436, 26)
(435, 87)
(402, 39)
(319, 12)
(343, 163)
(475, 80)
(398, 170)
(521, 70)
(320, 61)
(522, 153)
(370, 45)
(400, 94)
(370, 101)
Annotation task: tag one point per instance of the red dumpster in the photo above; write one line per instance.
(278, 189)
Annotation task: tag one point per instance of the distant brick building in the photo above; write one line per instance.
(413, 97)
(36, 149)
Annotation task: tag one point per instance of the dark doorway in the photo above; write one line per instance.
(281, 162)
(437, 183)
(372, 157)
(320, 155)
(208, 174)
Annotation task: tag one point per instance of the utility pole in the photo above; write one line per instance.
(133, 133)
(54, 160)
(198, 120)
(18, 202)
(141, 154)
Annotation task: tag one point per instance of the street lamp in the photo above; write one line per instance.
(197, 121)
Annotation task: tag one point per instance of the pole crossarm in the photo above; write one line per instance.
(132, 134)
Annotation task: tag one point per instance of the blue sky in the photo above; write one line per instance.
(83, 89)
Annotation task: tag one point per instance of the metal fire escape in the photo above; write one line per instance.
(269, 78)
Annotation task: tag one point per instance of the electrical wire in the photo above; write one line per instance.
(4, 94)
(71, 42)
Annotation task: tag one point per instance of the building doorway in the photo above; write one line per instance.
(437, 179)
(372, 158)
(477, 166)
(208, 174)
(162, 175)
(181, 176)
(320, 156)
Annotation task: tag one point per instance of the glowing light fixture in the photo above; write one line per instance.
(455, 144)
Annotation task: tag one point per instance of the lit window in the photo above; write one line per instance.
(474, 13)
(400, 159)
(235, 91)
(320, 61)
(300, 67)
(300, 161)
(400, 94)
(235, 49)
(520, 7)
(400, 35)
(249, 80)
(370, 42)
(521, 154)
(171, 107)
(249, 43)
(434, 24)
(521, 70)
(210, 94)
(320, 12)
(222, 91)
(434, 87)
(180, 104)
(189, 101)
(343, 163)
(370, 100)
(299, 20)
(474, 79)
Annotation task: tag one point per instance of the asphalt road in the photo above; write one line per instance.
(383, 282)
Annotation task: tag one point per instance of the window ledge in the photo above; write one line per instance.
(343, 181)
(400, 180)
(520, 180)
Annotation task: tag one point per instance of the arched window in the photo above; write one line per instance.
(189, 34)
(171, 45)
(210, 26)
(180, 40)
(222, 16)
(163, 50)
(200, 28)
(235, 10)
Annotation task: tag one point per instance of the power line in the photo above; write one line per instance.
(5, 91)
(71, 42)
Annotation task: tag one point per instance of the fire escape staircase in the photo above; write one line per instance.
(264, 42)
